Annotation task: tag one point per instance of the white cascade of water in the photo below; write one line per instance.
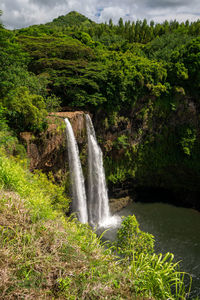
(98, 202)
(79, 203)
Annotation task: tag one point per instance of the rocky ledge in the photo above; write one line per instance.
(119, 203)
(48, 151)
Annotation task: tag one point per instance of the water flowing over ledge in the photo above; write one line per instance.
(95, 209)
(76, 176)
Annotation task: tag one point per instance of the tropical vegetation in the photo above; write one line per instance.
(141, 82)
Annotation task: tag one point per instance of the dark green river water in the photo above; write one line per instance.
(176, 230)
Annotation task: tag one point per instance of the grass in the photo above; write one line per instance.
(53, 259)
(45, 255)
(41, 194)
(153, 275)
(159, 276)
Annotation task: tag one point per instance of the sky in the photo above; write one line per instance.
(22, 13)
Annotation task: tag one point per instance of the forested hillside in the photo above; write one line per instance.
(141, 84)
(140, 81)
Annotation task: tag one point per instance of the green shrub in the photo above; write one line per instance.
(121, 142)
(152, 275)
(158, 276)
(3, 122)
(187, 140)
(131, 239)
(14, 176)
(53, 103)
(8, 141)
(25, 111)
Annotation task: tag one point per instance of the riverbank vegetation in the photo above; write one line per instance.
(46, 255)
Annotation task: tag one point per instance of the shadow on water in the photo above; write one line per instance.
(176, 230)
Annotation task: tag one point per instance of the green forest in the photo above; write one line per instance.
(141, 83)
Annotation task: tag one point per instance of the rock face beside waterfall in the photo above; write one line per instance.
(48, 150)
(151, 150)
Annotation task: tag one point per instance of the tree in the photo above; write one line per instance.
(121, 26)
(1, 26)
(25, 111)
(111, 24)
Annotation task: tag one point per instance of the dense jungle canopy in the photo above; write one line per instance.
(146, 75)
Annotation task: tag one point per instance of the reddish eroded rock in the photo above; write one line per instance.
(48, 151)
(77, 120)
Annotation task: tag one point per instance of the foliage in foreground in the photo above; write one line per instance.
(48, 196)
(153, 275)
(47, 259)
(45, 255)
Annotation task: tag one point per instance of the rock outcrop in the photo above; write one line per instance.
(48, 151)
(117, 204)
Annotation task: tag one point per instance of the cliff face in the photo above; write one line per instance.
(155, 145)
(48, 151)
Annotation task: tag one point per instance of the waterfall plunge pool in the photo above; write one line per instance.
(176, 230)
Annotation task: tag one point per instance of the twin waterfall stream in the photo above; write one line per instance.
(93, 208)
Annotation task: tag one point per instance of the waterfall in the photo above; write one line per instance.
(79, 205)
(98, 202)
(95, 209)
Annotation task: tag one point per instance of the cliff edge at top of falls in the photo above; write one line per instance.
(48, 151)
(76, 118)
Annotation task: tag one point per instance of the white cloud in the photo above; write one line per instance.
(177, 17)
(21, 13)
(112, 12)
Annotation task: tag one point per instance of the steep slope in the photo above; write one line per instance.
(44, 255)
(45, 259)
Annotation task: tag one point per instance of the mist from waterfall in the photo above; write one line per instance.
(98, 202)
(79, 202)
